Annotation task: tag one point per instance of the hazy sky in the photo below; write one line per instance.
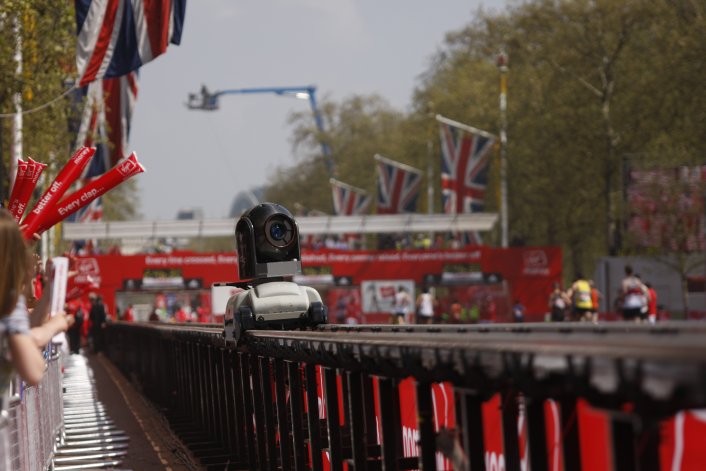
(344, 47)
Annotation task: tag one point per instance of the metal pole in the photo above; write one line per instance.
(2, 169)
(502, 66)
(430, 177)
(16, 153)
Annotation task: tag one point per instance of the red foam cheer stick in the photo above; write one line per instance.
(34, 171)
(81, 198)
(20, 178)
(67, 176)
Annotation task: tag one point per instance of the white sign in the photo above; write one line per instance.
(58, 291)
(58, 287)
(220, 294)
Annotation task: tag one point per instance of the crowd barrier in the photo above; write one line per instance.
(493, 397)
(33, 421)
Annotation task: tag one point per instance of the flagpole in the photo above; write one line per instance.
(430, 177)
(503, 68)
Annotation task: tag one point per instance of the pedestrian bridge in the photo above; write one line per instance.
(479, 397)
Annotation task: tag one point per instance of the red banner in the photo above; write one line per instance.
(491, 278)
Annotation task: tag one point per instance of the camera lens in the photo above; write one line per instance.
(278, 231)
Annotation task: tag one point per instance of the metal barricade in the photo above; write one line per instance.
(32, 423)
(419, 397)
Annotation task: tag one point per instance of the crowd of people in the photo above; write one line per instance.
(90, 320)
(421, 241)
(636, 301)
(426, 308)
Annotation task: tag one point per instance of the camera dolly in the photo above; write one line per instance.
(267, 240)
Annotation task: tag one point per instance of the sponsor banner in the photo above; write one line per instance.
(379, 295)
(481, 273)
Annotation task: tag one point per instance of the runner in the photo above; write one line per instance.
(425, 307)
(633, 297)
(580, 295)
(558, 301)
(403, 302)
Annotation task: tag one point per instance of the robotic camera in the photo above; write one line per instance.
(267, 240)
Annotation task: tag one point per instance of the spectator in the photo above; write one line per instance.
(181, 316)
(474, 313)
(491, 308)
(518, 312)
(425, 307)
(19, 342)
(352, 311)
(129, 314)
(341, 310)
(98, 317)
(74, 332)
(204, 316)
(456, 312)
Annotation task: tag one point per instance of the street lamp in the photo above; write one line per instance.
(208, 101)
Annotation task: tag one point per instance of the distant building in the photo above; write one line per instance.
(186, 214)
(246, 200)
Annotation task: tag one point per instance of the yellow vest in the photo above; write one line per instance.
(582, 295)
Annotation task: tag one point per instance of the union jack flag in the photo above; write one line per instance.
(105, 121)
(118, 36)
(105, 125)
(465, 155)
(465, 158)
(398, 186)
(348, 200)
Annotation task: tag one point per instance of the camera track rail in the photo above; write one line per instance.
(658, 367)
(639, 375)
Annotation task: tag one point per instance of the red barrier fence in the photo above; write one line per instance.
(565, 396)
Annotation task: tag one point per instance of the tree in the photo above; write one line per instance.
(356, 130)
(667, 218)
(591, 86)
(45, 29)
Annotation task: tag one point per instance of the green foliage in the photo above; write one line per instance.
(357, 129)
(212, 244)
(47, 36)
(594, 85)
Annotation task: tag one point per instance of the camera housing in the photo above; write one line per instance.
(267, 240)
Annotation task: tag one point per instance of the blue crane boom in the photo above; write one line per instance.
(208, 101)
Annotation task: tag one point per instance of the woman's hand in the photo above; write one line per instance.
(59, 322)
(34, 239)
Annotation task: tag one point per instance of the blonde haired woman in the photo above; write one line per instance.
(21, 334)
